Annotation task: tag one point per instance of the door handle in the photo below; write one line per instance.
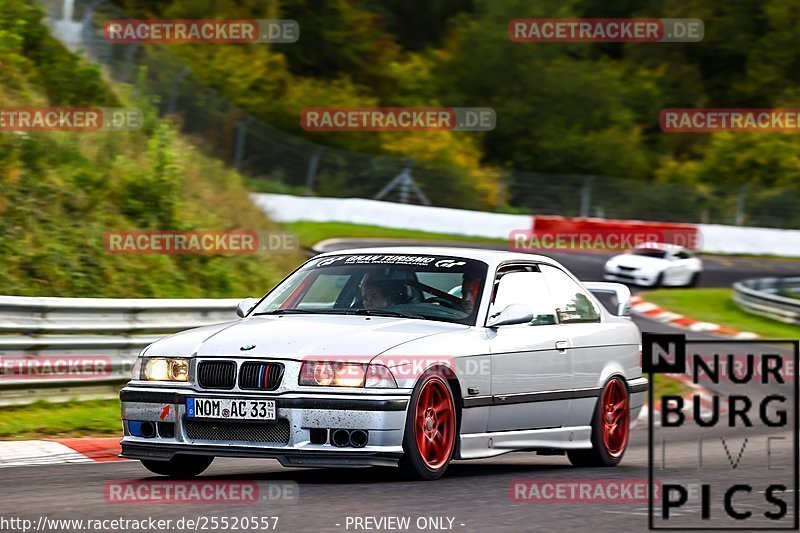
(561, 346)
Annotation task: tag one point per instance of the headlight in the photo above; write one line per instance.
(337, 374)
(611, 264)
(165, 369)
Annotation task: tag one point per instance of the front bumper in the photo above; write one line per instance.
(631, 276)
(382, 416)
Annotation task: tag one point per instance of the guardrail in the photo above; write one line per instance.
(35, 332)
(770, 297)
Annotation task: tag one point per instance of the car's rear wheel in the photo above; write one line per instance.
(610, 428)
(180, 466)
(430, 433)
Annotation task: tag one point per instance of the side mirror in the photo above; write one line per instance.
(245, 306)
(513, 314)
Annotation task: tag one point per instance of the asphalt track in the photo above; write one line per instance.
(475, 495)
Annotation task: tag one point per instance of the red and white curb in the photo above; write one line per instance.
(698, 394)
(61, 451)
(659, 314)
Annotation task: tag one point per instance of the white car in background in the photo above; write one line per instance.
(655, 265)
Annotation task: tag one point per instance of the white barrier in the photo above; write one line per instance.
(742, 240)
(285, 208)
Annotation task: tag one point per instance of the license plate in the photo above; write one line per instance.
(230, 409)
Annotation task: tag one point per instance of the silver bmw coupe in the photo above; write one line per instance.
(403, 357)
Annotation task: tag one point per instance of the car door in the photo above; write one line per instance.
(679, 270)
(530, 362)
(592, 344)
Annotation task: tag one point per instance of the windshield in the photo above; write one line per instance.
(414, 286)
(650, 252)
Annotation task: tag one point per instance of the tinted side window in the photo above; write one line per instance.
(571, 301)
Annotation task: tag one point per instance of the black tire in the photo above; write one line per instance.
(180, 466)
(659, 281)
(695, 280)
(599, 455)
(412, 464)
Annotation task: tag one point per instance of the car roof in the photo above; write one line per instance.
(491, 257)
(667, 247)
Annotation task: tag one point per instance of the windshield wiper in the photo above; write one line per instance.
(381, 312)
(293, 311)
(369, 312)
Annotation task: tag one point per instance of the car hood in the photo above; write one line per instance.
(297, 337)
(638, 261)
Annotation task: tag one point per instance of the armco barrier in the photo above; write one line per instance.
(41, 316)
(767, 297)
(36, 330)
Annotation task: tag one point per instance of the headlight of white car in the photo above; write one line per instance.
(611, 264)
(162, 369)
(338, 374)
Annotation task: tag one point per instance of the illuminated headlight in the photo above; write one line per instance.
(337, 374)
(165, 369)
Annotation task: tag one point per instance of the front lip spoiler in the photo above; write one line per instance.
(293, 458)
(339, 404)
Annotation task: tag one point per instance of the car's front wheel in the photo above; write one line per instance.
(610, 428)
(180, 466)
(430, 433)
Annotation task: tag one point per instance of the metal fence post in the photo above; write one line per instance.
(312, 169)
(173, 97)
(406, 184)
(740, 199)
(87, 33)
(586, 196)
(241, 138)
(130, 56)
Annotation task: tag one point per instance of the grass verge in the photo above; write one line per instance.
(717, 306)
(666, 385)
(68, 419)
(311, 233)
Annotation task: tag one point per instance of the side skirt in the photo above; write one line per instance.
(481, 445)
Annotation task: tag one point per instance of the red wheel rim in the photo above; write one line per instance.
(615, 418)
(435, 423)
